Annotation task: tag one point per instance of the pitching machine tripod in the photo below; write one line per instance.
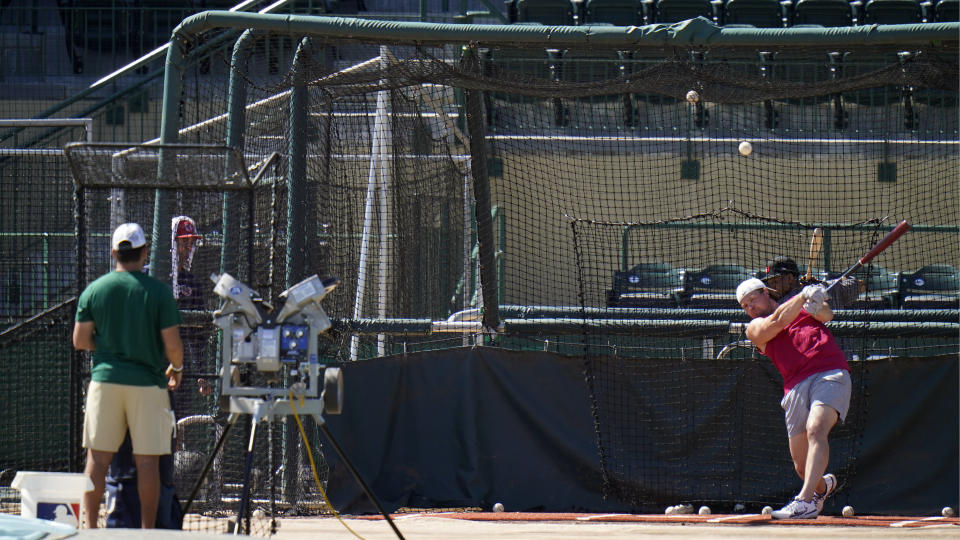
(277, 349)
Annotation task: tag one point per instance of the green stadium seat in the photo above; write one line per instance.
(580, 66)
(645, 285)
(880, 288)
(103, 26)
(936, 286)
(217, 4)
(823, 12)
(714, 286)
(934, 97)
(892, 12)
(530, 64)
(617, 12)
(946, 11)
(332, 6)
(639, 61)
(160, 17)
(577, 65)
(524, 63)
(757, 13)
(670, 11)
(548, 12)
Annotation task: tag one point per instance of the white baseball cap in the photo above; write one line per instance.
(748, 286)
(128, 232)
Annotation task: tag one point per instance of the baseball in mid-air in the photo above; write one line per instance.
(693, 96)
(704, 511)
(767, 510)
(745, 148)
(848, 511)
(497, 507)
(947, 512)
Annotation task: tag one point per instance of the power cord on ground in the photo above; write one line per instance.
(313, 468)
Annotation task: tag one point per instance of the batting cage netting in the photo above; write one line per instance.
(526, 191)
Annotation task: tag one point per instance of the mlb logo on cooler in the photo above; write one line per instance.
(67, 513)
(52, 496)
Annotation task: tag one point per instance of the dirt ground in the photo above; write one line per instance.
(438, 526)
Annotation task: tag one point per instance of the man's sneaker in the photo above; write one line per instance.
(797, 509)
(820, 498)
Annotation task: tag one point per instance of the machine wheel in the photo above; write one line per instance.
(332, 395)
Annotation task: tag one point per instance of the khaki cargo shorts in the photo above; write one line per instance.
(112, 409)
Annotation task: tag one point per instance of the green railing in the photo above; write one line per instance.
(828, 228)
(108, 59)
(57, 278)
(128, 88)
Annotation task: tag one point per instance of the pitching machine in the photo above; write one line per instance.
(277, 348)
(269, 355)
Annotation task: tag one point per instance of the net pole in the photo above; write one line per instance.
(367, 220)
(236, 122)
(467, 241)
(453, 134)
(297, 192)
(166, 168)
(118, 209)
(298, 207)
(77, 358)
(385, 177)
(481, 191)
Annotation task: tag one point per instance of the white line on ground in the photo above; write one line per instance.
(599, 516)
(908, 522)
(725, 518)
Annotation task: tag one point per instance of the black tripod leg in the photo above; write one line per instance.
(206, 468)
(356, 475)
(245, 497)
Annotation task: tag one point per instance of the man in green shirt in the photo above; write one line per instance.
(131, 323)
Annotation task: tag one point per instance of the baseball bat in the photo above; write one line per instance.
(815, 243)
(883, 244)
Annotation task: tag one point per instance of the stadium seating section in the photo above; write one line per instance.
(880, 288)
(669, 11)
(646, 285)
(551, 12)
(712, 287)
(754, 13)
(946, 10)
(658, 284)
(823, 13)
(101, 34)
(617, 12)
(931, 287)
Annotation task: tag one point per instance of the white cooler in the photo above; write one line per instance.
(52, 496)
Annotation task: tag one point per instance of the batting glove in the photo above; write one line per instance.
(813, 307)
(815, 293)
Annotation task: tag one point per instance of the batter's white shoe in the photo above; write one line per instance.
(820, 498)
(797, 509)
